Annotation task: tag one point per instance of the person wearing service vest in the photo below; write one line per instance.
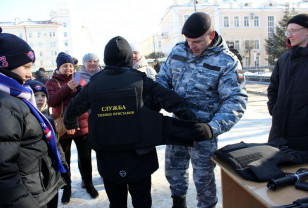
(123, 130)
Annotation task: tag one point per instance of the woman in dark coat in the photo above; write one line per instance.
(30, 164)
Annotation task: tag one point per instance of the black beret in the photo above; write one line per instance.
(300, 19)
(196, 25)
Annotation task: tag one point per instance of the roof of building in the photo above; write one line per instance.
(29, 22)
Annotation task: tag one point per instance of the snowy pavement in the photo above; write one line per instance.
(252, 128)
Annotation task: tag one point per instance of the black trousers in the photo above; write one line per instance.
(84, 155)
(140, 192)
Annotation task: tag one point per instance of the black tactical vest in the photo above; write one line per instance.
(118, 119)
(259, 162)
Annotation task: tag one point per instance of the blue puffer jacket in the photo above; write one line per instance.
(212, 82)
(27, 176)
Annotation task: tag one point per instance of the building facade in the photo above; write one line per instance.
(44, 37)
(49, 38)
(244, 25)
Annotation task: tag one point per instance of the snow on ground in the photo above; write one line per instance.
(252, 128)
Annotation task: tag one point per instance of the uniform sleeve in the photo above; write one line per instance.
(233, 98)
(168, 99)
(272, 91)
(77, 106)
(164, 75)
(12, 191)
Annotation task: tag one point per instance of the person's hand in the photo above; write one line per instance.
(202, 131)
(72, 84)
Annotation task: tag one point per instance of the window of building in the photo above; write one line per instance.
(247, 45)
(65, 43)
(65, 34)
(54, 34)
(64, 24)
(55, 53)
(51, 52)
(226, 21)
(41, 53)
(236, 21)
(237, 44)
(246, 61)
(51, 44)
(39, 34)
(31, 45)
(40, 44)
(246, 21)
(185, 17)
(257, 44)
(21, 35)
(270, 26)
(30, 35)
(257, 61)
(50, 34)
(256, 21)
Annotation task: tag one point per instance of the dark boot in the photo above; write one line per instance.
(179, 201)
(82, 184)
(91, 190)
(66, 196)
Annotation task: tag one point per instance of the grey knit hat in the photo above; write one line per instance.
(89, 56)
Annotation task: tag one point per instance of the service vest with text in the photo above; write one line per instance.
(119, 120)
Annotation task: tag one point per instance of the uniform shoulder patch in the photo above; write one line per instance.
(240, 75)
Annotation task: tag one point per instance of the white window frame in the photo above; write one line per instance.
(236, 22)
(237, 44)
(226, 21)
(246, 44)
(246, 21)
(271, 26)
(256, 21)
(256, 44)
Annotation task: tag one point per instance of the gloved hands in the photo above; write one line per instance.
(202, 131)
(186, 115)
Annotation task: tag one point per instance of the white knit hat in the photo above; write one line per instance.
(135, 47)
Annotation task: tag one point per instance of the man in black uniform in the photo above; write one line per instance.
(124, 131)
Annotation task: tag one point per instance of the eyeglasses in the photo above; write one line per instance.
(291, 32)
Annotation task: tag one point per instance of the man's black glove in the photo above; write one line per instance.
(202, 131)
(186, 115)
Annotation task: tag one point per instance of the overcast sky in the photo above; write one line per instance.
(132, 19)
